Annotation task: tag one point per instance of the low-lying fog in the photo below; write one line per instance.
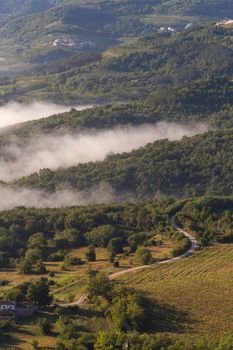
(64, 198)
(55, 151)
(20, 158)
(15, 112)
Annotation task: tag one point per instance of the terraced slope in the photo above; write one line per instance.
(197, 293)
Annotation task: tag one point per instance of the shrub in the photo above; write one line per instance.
(5, 325)
(90, 253)
(4, 259)
(116, 263)
(181, 247)
(101, 236)
(58, 256)
(144, 256)
(115, 246)
(76, 261)
(45, 326)
(4, 283)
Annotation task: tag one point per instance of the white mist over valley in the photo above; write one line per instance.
(15, 112)
(13, 197)
(68, 149)
(20, 158)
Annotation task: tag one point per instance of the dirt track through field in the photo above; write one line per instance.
(115, 275)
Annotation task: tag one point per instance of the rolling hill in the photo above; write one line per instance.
(190, 290)
(132, 71)
(152, 69)
(191, 167)
(23, 7)
(28, 28)
(208, 8)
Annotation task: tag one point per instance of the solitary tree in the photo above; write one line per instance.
(45, 326)
(25, 267)
(90, 254)
(38, 292)
(115, 246)
(4, 259)
(144, 256)
(40, 267)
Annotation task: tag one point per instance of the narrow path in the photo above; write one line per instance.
(115, 275)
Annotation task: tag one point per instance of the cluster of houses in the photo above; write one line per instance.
(167, 29)
(13, 310)
(174, 30)
(71, 43)
(225, 23)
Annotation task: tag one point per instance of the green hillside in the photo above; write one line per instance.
(215, 8)
(118, 274)
(197, 294)
(207, 8)
(209, 218)
(207, 102)
(191, 167)
(22, 7)
(27, 34)
(29, 27)
(181, 303)
(134, 70)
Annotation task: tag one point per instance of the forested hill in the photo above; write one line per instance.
(23, 7)
(191, 167)
(132, 71)
(215, 8)
(209, 102)
(28, 28)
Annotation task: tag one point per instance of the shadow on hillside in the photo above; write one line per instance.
(162, 317)
(9, 341)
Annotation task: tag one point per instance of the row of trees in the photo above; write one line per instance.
(36, 292)
(111, 226)
(210, 218)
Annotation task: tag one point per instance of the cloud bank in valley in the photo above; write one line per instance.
(55, 151)
(23, 157)
(15, 112)
(64, 198)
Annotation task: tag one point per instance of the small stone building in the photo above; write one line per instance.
(10, 310)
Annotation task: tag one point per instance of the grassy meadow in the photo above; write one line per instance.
(69, 282)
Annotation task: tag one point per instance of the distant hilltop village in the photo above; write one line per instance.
(225, 22)
(71, 43)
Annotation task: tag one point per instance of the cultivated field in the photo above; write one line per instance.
(196, 293)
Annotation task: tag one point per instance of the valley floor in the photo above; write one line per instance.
(192, 298)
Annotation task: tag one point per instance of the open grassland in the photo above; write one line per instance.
(69, 282)
(196, 293)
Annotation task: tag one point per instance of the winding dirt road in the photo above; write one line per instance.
(115, 275)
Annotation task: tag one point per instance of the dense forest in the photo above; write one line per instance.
(191, 167)
(210, 8)
(207, 8)
(26, 6)
(133, 71)
(209, 218)
(29, 237)
(208, 102)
